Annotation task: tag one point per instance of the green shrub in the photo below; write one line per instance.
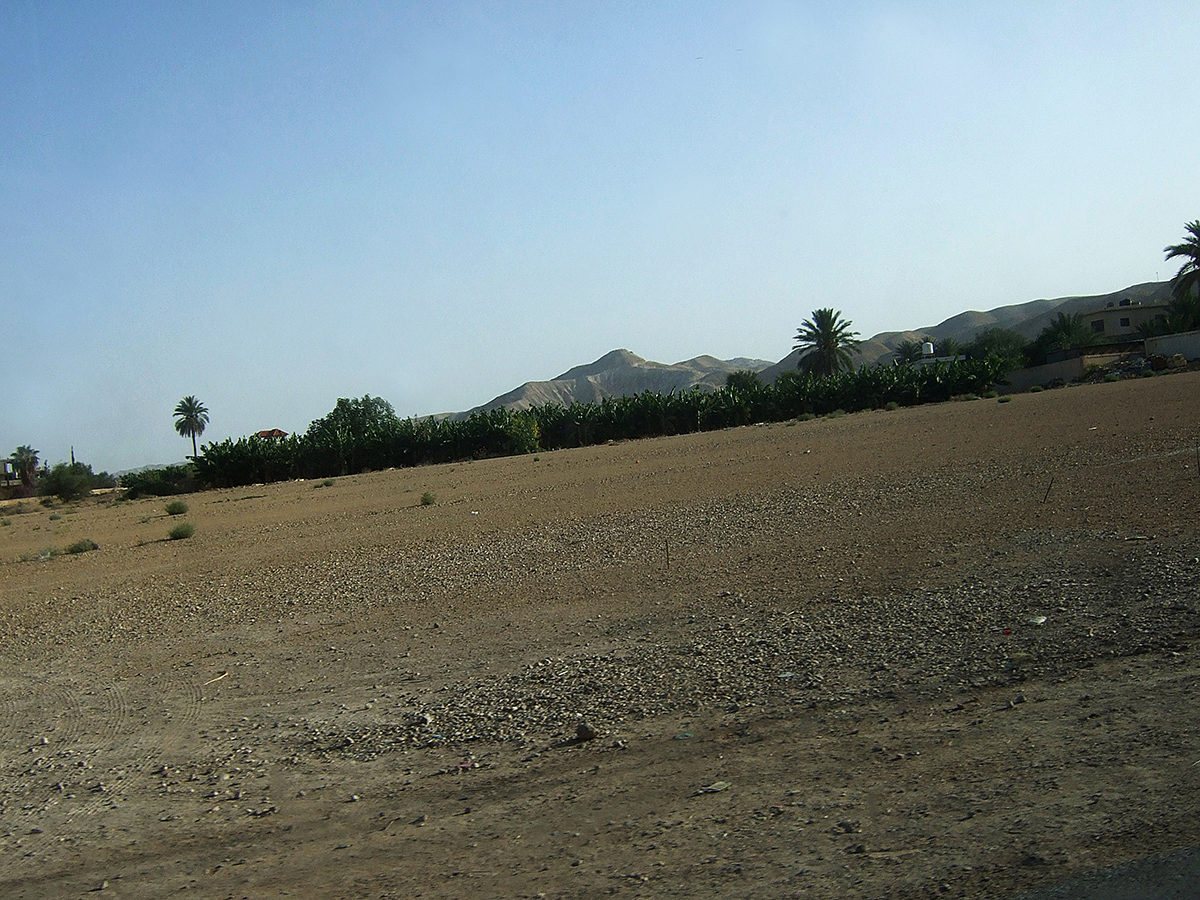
(836, 414)
(891, 406)
(5, 522)
(427, 499)
(1112, 376)
(1004, 399)
(176, 508)
(1036, 389)
(54, 517)
(328, 482)
(72, 481)
(990, 395)
(181, 531)
(83, 546)
(159, 482)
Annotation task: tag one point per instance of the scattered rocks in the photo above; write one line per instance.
(860, 646)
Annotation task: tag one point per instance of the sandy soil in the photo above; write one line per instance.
(946, 651)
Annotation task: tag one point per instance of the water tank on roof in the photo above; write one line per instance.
(927, 349)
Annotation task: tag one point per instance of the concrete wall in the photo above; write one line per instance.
(1187, 343)
(1068, 370)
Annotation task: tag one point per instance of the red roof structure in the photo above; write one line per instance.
(272, 434)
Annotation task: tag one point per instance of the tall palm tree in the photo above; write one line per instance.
(1185, 286)
(1187, 278)
(190, 418)
(826, 341)
(24, 463)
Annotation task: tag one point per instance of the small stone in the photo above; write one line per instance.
(585, 732)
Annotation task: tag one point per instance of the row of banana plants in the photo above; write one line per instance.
(366, 434)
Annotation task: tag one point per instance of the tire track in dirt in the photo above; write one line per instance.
(61, 746)
(33, 708)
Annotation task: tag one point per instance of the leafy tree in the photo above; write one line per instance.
(160, 482)
(25, 463)
(1003, 343)
(827, 342)
(354, 435)
(67, 481)
(190, 418)
(1183, 314)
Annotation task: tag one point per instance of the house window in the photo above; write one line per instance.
(1125, 322)
(1098, 326)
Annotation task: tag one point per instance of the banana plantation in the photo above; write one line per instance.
(365, 434)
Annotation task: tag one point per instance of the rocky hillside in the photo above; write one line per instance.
(622, 373)
(1027, 319)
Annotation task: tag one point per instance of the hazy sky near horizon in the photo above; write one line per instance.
(273, 205)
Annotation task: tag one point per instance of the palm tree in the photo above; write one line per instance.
(743, 381)
(24, 463)
(190, 418)
(1187, 279)
(947, 346)
(908, 352)
(1067, 332)
(826, 341)
(1184, 312)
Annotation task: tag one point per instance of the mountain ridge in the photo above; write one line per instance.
(622, 372)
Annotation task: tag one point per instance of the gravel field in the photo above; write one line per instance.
(944, 651)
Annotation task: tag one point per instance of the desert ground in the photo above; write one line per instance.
(942, 651)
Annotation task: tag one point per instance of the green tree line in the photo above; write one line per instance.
(366, 434)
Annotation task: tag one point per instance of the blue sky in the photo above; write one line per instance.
(273, 205)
